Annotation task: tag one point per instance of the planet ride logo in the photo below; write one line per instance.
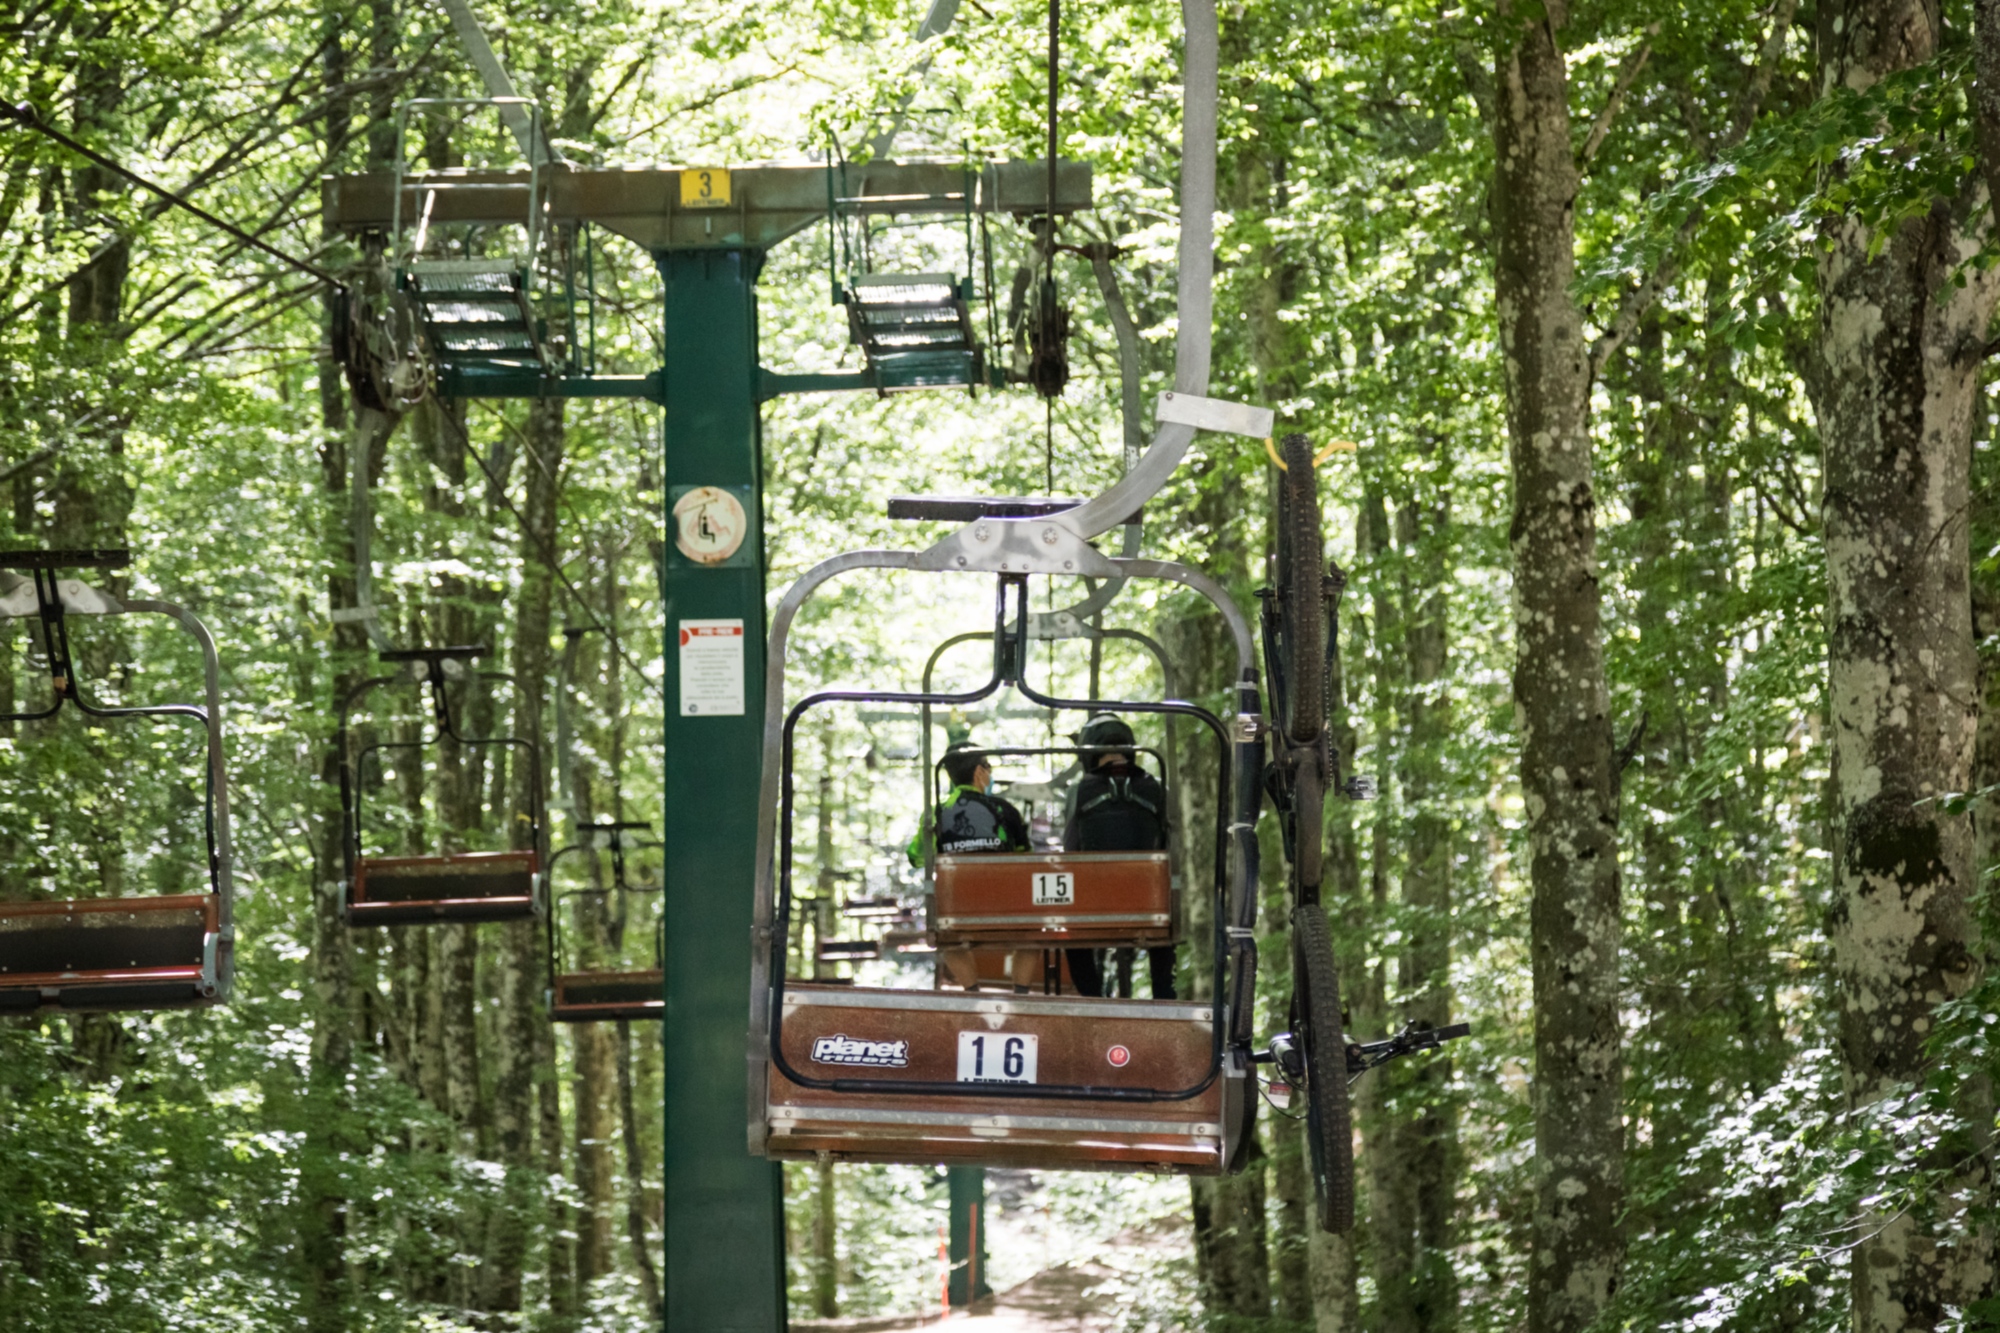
(841, 1049)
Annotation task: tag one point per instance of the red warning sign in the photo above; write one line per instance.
(1118, 1056)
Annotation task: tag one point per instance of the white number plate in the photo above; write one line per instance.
(996, 1057)
(1056, 889)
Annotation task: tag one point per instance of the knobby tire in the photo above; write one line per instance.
(1303, 577)
(1316, 1026)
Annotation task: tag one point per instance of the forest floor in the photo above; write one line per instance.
(1093, 1294)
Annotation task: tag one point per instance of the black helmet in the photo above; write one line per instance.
(1107, 731)
(961, 761)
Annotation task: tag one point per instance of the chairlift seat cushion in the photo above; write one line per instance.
(581, 997)
(1095, 899)
(471, 886)
(1161, 1044)
(109, 953)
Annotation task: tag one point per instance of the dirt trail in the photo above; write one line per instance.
(1078, 1297)
(1055, 1300)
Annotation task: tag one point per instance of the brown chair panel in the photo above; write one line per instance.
(863, 1034)
(108, 953)
(582, 997)
(1114, 898)
(472, 886)
(1002, 968)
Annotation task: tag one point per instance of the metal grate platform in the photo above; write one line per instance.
(476, 313)
(914, 329)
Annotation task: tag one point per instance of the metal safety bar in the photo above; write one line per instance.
(52, 599)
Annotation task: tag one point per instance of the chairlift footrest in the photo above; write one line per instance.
(865, 1036)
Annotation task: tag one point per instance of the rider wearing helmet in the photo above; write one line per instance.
(971, 819)
(1116, 806)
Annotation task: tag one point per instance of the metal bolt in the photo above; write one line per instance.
(1048, 536)
(981, 533)
(961, 562)
(1069, 564)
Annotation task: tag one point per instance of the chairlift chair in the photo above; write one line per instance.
(1053, 899)
(606, 993)
(914, 329)
(385, 890)
(478, 312)
(164, 952)
(1056, 899)
(875, 1074)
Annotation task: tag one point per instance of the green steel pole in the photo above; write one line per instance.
(725, 1248)
(968, 1234)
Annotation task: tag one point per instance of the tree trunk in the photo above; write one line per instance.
(1561, 699)
(521, 960)
(1901, 348)
(635, 1173)
(1414, 1273)
(1230, 1245)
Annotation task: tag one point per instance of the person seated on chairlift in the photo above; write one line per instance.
(1116, 806)
(971, 819)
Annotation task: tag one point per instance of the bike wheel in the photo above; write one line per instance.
(1308, 826)
(1303, 575)
(1316, 1027)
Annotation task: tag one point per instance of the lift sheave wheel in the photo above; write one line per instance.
(94, 954)
(470, 886)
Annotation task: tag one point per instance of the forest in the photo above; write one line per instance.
(1669, 518)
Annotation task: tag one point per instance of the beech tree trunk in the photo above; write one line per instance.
(1414, 1165)
(1901, 348)
(519, 963)
(1561, 700)
(1231, 1249)
(347, 442)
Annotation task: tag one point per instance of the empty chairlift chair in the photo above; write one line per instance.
(478, 310)
(579, 995)
(164, 952)
(394, 890)
(915, 329)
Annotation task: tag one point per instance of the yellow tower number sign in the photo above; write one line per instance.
(704, 187)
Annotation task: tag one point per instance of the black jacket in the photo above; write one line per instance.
(1119, 808)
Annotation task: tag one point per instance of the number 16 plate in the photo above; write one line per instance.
(996, 1057)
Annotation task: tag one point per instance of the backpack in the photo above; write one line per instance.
(1125, 812)
(971, 823)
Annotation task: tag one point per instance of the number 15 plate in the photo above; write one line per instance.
(996, 1057)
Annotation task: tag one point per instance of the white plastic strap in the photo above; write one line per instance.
(1216, 414)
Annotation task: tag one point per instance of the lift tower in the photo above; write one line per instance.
(708, 231)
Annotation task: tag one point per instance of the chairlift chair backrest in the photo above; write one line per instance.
(914, 329)
(163, 952)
